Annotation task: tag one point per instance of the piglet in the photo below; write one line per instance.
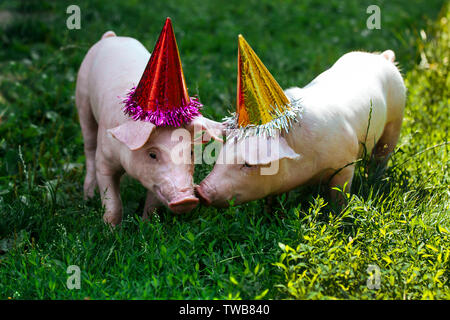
(115, 144)
(358, 102)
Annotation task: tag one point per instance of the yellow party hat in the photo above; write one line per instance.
(262, 106)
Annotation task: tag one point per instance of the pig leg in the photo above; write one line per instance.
(109, 187)
(339, 180)
(385, 146)
(151, 204)
(89, 130)
(268, 204)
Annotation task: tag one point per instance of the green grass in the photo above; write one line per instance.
(398, 220)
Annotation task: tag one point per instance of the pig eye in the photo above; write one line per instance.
(248, 169)
(152, 155)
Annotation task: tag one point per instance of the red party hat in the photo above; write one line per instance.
(161, 96)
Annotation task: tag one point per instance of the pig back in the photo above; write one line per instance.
(116, 68)
(337, 108)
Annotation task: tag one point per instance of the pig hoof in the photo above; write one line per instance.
(88, 194)
(112, 219)
(149, 213)
(89, 188)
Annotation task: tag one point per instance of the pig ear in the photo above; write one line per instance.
(264, 150)
(213, 129)
(133, 133)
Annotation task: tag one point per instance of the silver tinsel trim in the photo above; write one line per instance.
(282, 123)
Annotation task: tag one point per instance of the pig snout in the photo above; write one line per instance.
(177, 200)
(199, 192)
(208, 195)
(183, 205)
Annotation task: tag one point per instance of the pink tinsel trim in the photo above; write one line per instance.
(175, 117)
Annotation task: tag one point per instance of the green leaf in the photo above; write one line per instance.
(233, 280)
(262, 295)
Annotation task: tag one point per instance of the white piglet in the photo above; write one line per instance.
(327, 139)
(115, 144)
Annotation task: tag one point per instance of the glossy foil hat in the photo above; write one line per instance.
(161, 96)
(262, 106)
